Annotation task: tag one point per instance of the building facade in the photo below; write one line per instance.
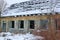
(30, 15)
(23, 11)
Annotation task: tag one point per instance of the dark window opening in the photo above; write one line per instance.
(17, 15)
(45, 13)
(20, 15)
(32, 14)
(36, 14)
(56, 13)
(27, 15)
(12, 24)
(23, 15)
(40, 14)
(31, 24)
(22, 24)
(50, 13)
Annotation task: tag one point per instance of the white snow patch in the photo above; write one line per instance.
(19, 36)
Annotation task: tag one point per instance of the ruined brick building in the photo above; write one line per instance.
(22, 17)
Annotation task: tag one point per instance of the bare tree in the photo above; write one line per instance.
(2, 6)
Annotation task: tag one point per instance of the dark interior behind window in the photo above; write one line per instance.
(31, 24)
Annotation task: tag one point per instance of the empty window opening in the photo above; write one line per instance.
(12, 24)
(27, 15)
(45, 13)
(21, 24)
(31, 24)
(17, 15)
(56, 13)
(36, 14)
(32, 14)
(20, 15)
(40, 14)
(50, 13)
(23, 15)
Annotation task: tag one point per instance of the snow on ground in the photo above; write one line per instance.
(12, 36)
